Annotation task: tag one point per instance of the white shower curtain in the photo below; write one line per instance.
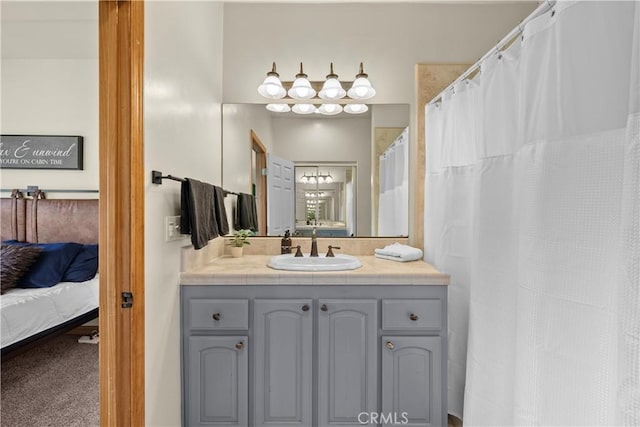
(532, 204)
(393, 201)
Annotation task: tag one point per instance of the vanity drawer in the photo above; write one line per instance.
(413, 314)
(216, 314)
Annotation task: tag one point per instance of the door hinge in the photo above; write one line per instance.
(265, 172)
(127, 300)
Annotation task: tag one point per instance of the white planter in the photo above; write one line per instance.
(236, 252)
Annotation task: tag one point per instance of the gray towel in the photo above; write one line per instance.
(220, 211)
(197, 212)
(246, 214)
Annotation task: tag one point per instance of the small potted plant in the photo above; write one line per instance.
(238, 241)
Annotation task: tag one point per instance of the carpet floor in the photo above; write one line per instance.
(54, 384)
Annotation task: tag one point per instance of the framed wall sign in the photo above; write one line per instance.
(40, 152)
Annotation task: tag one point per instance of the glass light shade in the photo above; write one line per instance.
(361, 89)
(328, 179)
(304, 108)
(356, 108)
(332, 89)
(330, 109)
(278, 108)
(301, 89)
(272, 88)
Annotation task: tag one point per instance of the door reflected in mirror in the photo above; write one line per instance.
(325, 199)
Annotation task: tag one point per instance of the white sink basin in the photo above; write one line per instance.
(320, 263)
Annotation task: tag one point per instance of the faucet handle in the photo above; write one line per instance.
(330, 251)
(298, 252)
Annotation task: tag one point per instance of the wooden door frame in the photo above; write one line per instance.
(261, 182)
(121, 59)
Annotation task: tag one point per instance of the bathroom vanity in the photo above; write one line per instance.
(264, 347)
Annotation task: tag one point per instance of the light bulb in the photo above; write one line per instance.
(361, 88)
(301, 89)
(278, 108)
(303, 108)
(355, 108)
(271, 87)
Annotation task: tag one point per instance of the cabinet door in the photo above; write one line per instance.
(282, 362)
(347, 361)
(217, 381)
(412, 379)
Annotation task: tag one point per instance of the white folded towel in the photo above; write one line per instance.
(399, 252)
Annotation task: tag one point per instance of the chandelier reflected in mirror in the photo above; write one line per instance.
(320, 178)
(330, 96)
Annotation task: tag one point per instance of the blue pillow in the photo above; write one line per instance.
(51, 265)
(84, 266)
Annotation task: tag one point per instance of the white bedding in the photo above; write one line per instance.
(26, 312)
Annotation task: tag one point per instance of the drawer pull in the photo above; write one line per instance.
(216, 316)
(305, 307)
(413, 317)
(389, 345)
(324, 307)
(240, 345)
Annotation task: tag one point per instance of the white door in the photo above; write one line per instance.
(280, 196)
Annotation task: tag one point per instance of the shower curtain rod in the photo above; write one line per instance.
(502, 44)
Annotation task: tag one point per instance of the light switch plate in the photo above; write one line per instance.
(172, 228)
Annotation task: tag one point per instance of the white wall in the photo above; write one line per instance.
(330, 140)
(390, 38)
(182, 103)
(238, 121)
(49, 85)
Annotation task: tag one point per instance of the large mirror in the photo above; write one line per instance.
(346, 175)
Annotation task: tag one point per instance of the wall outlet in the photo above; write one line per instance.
(172, 228)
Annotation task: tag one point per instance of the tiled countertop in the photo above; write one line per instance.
(253, 270)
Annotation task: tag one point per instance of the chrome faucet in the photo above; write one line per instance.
(314, 243)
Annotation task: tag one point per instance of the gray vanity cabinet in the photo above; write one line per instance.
(412, 380)
(313, 356)
(347, 360)
(218, 386)
(282, 332)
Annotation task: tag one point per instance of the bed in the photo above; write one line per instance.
(30, 316)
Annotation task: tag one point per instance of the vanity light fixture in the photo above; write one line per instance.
(314, 194)
(325, 179)
(271, 87)
(301, 93)
(304, 108)
(332, 88)
(361, 88)
(301, 88)
(311, 179)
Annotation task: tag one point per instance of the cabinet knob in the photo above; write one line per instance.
(324, 307)
(389, 345)
(413, 317)
(305, 307)
(240, 345)
(216, 316)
